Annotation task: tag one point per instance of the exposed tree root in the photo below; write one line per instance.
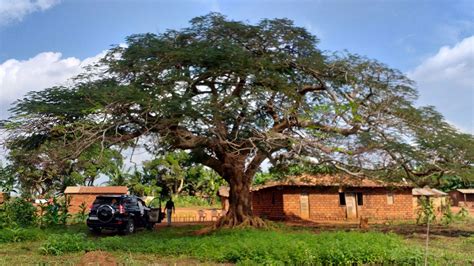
(232, 222)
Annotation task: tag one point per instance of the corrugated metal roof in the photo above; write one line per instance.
(466, 190)
(331, 181)
(96, 190)
(429, 192)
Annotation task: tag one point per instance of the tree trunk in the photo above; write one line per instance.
(240, 210)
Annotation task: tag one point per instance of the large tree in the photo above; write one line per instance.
(235, 94)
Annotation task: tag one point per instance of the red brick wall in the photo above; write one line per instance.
(77, 199)
(268, 203)
(284, 203)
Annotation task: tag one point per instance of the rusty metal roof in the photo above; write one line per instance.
(331, 181)
(96, 190)
(466, 190)
(428, 192)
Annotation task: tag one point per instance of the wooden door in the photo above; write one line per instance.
(304, 206)
(351, 206)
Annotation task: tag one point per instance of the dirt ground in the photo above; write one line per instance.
(101, 258)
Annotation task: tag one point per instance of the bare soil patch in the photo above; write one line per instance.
(97, 258)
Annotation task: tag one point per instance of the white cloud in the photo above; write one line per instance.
(42, 71)
(16, 10)
(446, 80)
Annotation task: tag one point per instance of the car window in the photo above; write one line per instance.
(130, 203)
(113, 201)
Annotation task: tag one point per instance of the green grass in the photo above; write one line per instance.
(281, 245)
(249, 246)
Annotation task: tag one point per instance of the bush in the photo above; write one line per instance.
(425, 212)
(5, 221)
(251, 246)
(448, 215)
(20, 212)
(54, 213)
(58, 244)
(193, 201)
(18, 234)
(463, 213)
(81, 216)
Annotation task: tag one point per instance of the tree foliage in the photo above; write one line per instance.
(234, 94)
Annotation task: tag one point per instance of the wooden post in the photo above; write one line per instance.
(427, 240)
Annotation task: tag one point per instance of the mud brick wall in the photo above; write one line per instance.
(324, 205)
(376, 205)
(268, 203)
(75, 200)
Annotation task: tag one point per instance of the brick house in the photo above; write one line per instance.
(333, 198)
(2, 197)
(463, 197)
(80, 194)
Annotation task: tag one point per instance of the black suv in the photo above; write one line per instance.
(122, 212)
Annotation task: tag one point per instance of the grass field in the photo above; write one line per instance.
(388, 244)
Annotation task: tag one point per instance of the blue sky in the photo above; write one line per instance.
(45, 42)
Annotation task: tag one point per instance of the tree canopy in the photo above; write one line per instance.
(234, 94)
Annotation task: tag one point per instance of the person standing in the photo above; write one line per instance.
(169, 207)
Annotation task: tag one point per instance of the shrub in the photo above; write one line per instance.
(5, 221)
(463, 213)
(58, 244)
(18, 234)
(81, 216)
(20, 212)
(425, 212)
(251, 246)
(54, 213)
(193, 201)
(448, 215)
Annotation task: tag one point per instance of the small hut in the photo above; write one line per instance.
(86, 195)
(463, 197)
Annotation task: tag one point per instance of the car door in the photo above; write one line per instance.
(131, 207)
(142, 213)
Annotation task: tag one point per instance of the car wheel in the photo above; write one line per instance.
(130, 228)
(150, 225)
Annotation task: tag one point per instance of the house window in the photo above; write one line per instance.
(360, 199)
(342, 199)
(390, 198)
